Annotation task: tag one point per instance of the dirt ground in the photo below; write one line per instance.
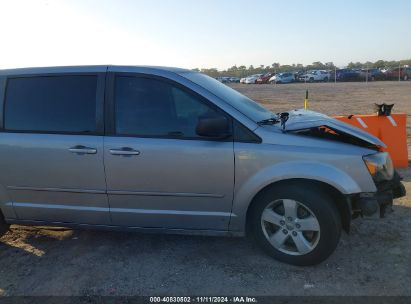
(373, 260)
(342, 98)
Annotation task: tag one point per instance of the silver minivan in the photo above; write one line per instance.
(172, 150)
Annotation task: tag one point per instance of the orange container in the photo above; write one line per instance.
(392, 130)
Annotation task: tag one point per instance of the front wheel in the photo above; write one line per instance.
(296, 225)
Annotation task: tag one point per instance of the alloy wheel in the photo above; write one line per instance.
(290, 227)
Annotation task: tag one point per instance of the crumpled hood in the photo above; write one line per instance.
(306, 119)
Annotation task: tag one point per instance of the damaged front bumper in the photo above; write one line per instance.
(379, 203)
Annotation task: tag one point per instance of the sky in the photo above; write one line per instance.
(202, 34)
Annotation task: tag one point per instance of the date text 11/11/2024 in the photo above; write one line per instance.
(208, 299)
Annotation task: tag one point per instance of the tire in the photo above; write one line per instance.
(4, 227)
(311, 79)
(313, 204)
(326, 79)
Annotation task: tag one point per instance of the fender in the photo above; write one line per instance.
(311, 170)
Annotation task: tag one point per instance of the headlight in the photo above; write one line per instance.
(380, 166)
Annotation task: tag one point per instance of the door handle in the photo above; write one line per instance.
(82, 150)
(124, 151)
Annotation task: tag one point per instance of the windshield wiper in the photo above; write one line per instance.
(280, 118)
(269, 121)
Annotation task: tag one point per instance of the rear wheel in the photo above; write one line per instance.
(296, 225)
(4, 227)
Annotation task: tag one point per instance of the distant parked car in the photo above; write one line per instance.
(298, 74)
(242, 80)
(226, 80)
(282, 78)
(252, 79)
(315, 75)
(373, 74)
(348, 75)
(234, 79)
(376, 74)
(265, 78)
(405, 73)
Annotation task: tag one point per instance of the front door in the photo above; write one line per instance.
(160, 173)
(51, 152)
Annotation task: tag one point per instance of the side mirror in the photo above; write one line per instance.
(217, 127)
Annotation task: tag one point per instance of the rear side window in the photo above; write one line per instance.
(65, 104)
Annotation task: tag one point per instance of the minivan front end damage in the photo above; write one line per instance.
(387, 182)
(314, 124)
(377, 204)
(379, 164)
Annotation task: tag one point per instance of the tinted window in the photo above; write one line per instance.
(152, 107)
(51, 104)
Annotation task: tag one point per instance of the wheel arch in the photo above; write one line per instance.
(341, 201)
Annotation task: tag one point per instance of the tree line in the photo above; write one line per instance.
(242, 70)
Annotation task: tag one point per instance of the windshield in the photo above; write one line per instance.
(238, 101)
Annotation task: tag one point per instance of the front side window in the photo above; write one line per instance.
(51, 104)
(151, 107)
